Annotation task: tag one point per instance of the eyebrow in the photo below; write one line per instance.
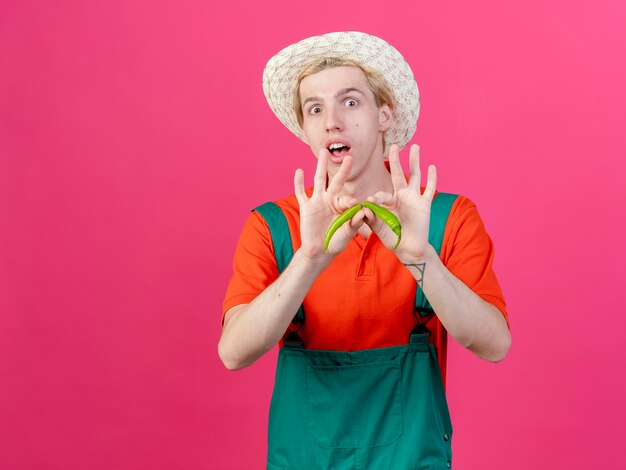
(343, 91)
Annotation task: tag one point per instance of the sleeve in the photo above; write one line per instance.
(254, 265)
(468, 253)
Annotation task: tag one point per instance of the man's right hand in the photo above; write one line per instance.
(252, 329)
(325, 204)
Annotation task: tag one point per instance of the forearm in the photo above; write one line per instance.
(255, 328)
(470, 320)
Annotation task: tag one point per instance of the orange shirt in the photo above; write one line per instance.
(364, 298)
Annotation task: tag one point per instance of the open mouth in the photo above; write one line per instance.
(338, 149)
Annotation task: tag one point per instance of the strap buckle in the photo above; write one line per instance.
(293, 339)
(421, 327)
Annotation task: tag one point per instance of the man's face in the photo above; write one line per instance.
(340, 115)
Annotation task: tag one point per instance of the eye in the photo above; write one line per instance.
(315, 110)
(350, 102)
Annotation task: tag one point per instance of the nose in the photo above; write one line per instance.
(333, 119)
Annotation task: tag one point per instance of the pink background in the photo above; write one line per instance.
(135, 138)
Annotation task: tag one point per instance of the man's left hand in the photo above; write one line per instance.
(409, 204)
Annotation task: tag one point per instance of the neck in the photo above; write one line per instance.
(368, 182)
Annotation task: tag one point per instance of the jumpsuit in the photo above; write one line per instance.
(382, 408)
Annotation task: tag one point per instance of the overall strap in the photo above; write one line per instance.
(439, 212)
(281, 239)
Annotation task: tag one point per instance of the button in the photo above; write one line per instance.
(446, 437)
(449, 464)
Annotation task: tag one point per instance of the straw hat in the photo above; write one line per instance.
(281, 74)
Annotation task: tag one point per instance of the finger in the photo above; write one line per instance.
(381, 197)
(319, 181)
(298, 184)
(377, 225)
(356, 221)
(431, 183)
(415, 173)
(397, 175)
(344, 202)
(349, 227)
(382, 231)
(337, 181)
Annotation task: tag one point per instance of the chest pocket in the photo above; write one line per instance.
(354, 405)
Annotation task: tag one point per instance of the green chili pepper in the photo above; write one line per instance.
(388, 217)
(339, 221)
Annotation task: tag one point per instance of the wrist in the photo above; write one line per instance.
(312, 261)
(429, 254)
(418, 265)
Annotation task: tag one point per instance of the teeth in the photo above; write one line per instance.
(336, 146)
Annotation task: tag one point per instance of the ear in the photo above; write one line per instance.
(385, 117)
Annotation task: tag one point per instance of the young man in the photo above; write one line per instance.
(359, 375)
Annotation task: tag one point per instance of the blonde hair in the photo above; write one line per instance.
(383, 94)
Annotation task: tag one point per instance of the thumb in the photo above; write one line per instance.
(381, 229)
(355, 222)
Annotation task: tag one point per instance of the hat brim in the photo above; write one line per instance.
(283, 70)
